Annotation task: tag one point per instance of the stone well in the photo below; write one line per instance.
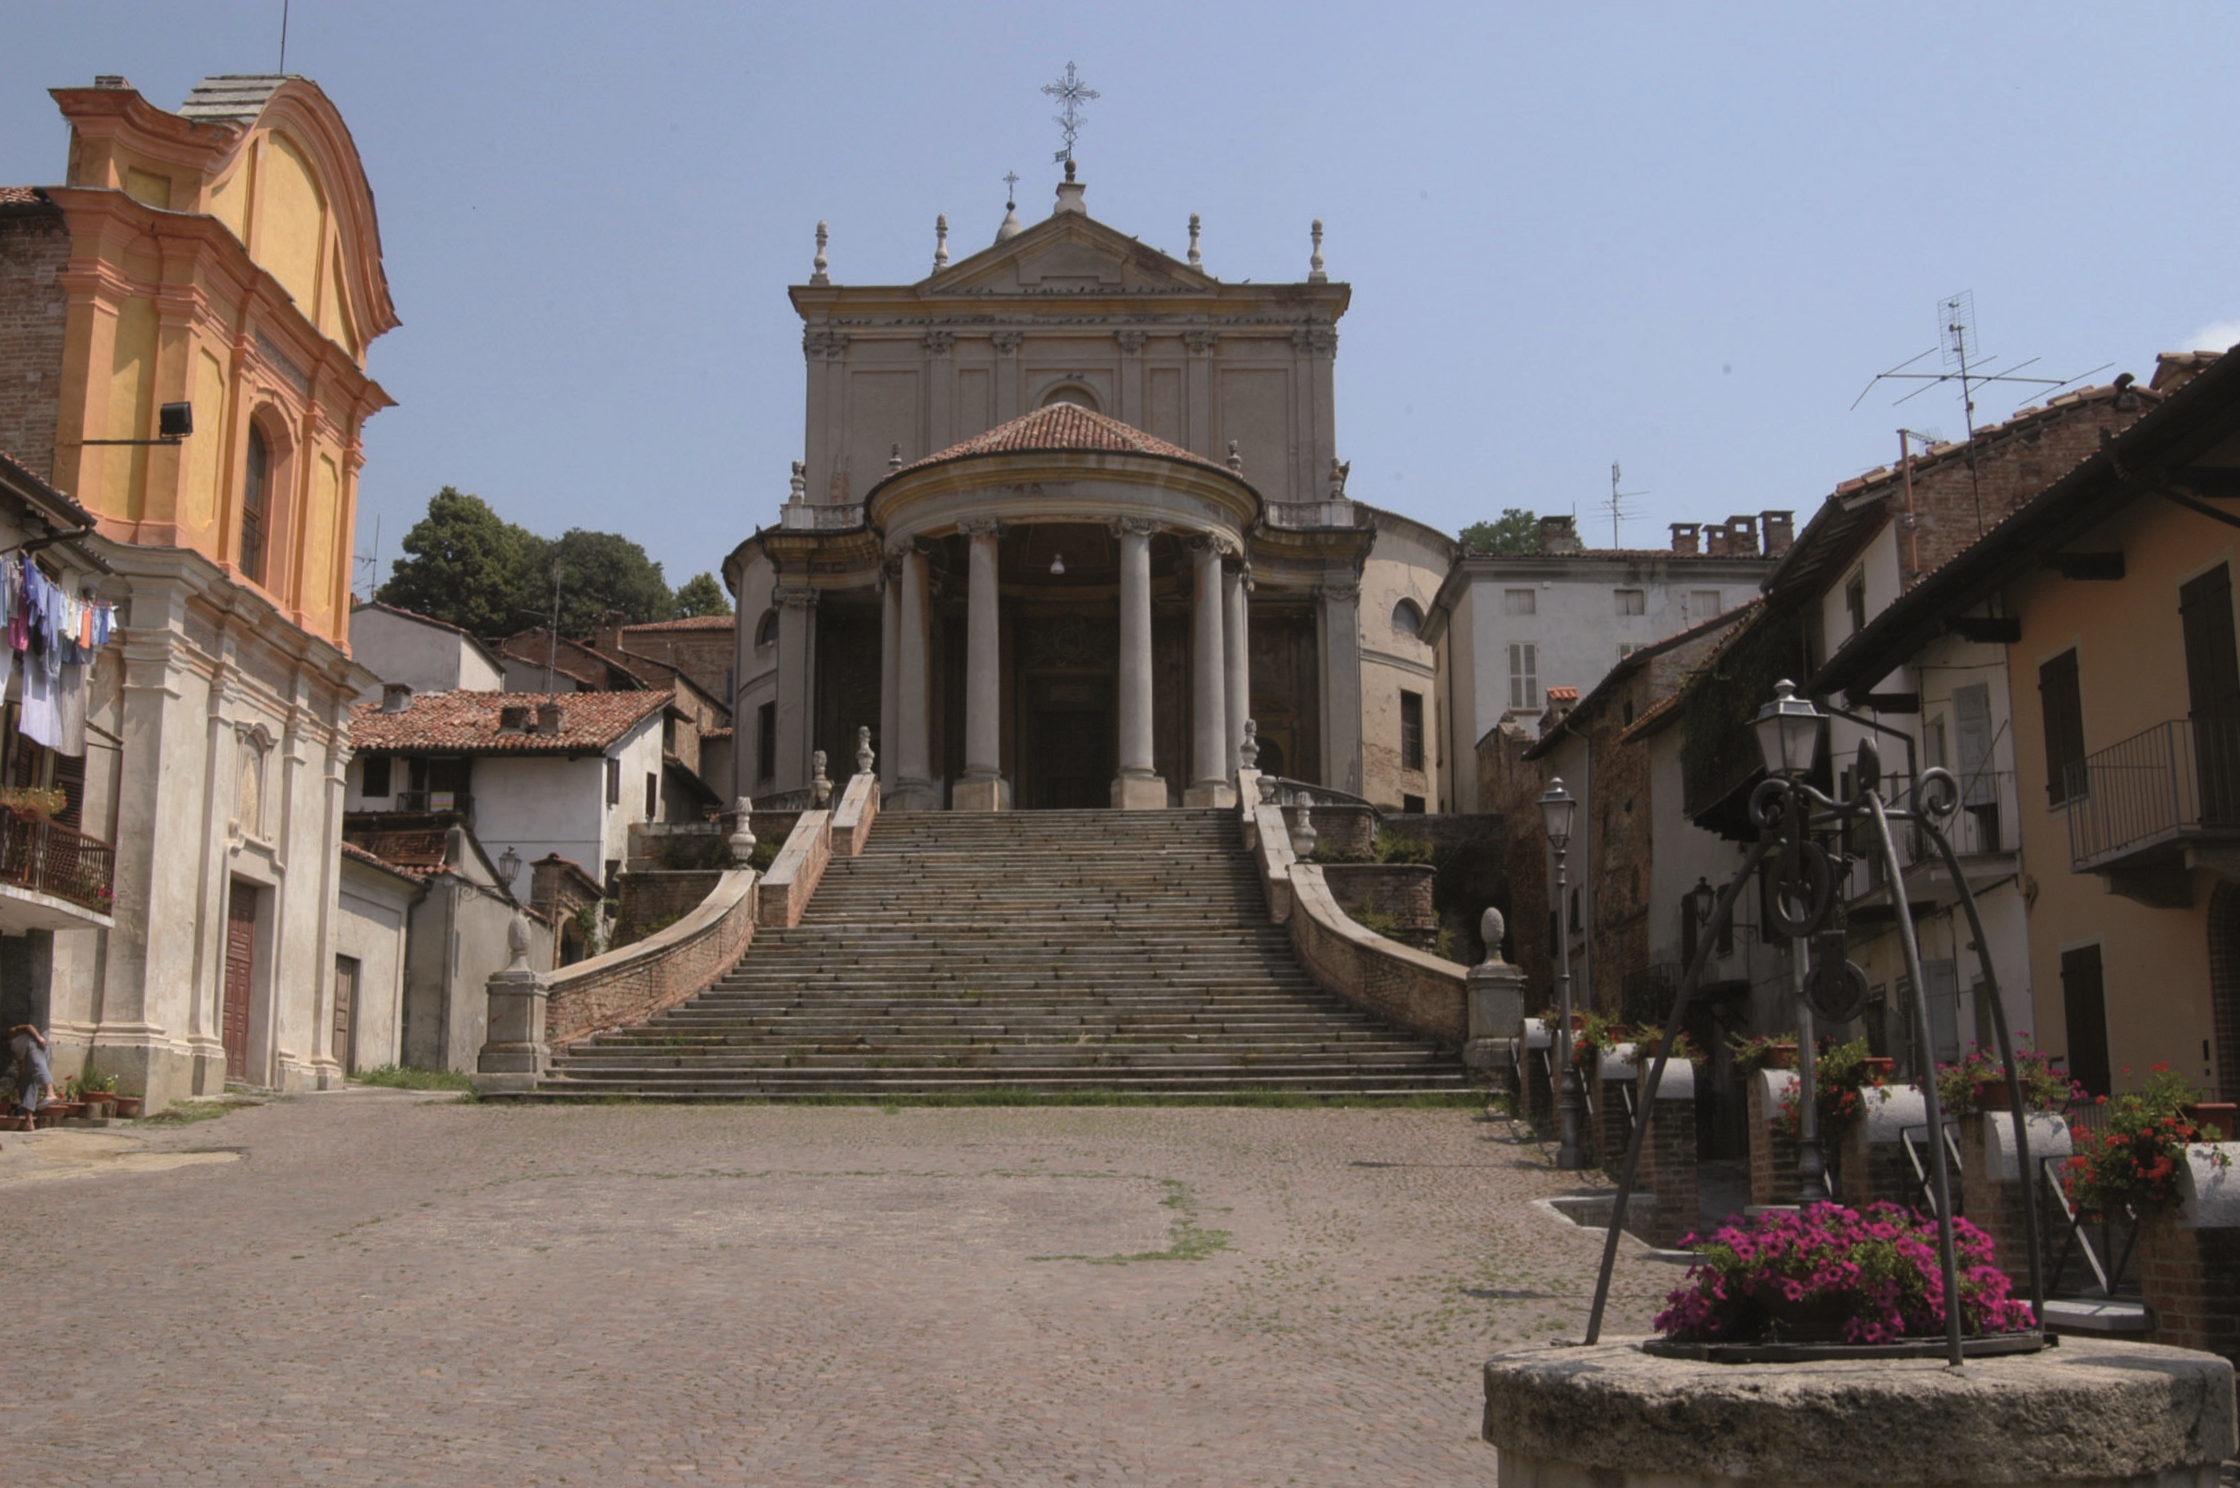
(2088, 1412)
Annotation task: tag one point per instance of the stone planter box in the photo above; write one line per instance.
(2189, 1257)
(1668, 1160)
(2086, 1413)
(1773, 1152)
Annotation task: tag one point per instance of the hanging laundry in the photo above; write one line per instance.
(39, 721)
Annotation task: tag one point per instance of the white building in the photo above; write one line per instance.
(423, 653)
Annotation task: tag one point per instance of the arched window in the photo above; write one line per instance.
(1407, 620)
(255, 481)
(1074, 393)
(766, 629)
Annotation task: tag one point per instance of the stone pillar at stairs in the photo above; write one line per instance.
(514, 1055)
(1210, 758)
(1495, 990)
(1138, 786)
(1236, 653)
(915, 789)
(983, 787)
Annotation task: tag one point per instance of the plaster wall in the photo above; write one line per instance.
(1877, 563)
(426, 658)
(372, 915)
(755, 677)
(1407, 565)
(539, 804)
(2131, 675)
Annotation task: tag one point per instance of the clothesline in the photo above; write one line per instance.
(52, 637)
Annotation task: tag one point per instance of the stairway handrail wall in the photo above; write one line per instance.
(636, 981)
(1398, 983)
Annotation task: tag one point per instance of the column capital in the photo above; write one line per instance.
(1131, 341)
(794, 596)
(1133, 527)
(939, 342)
(1338, 590)
(1201, 341)
(1007, 342)
(1218, 544)
(978, 527)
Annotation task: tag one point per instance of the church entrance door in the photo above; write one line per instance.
(1068, 759)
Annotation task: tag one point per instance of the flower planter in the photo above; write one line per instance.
(1881, 1065)
(1807, 1319)
(1991, 1095)
(1783, 1056)
(128, 1106)
(2215, 1118)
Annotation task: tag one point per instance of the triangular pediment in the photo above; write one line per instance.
(1070, 252)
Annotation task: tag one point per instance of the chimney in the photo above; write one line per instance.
(607, 633)
(1558, 535)
(1780, 531)
(395, 697)
(550, 717)
(513, 718)
(1717, 542)
(1687, 537)
(110, 80)
(1742, 536)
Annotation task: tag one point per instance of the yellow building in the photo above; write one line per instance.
(2112, 592)
(224, 257)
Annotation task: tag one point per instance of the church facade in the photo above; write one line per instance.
(1069, 514)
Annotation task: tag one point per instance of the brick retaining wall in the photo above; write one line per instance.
(632, 984)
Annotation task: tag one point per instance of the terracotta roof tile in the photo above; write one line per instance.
(1066, 427)
(375, 860)
(467, 722)
(415, 853)
(21, 196)
(1563, 694)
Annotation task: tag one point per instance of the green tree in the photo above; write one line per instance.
(462, 564)
(1516, 532)
(599, 571)
(701, 595)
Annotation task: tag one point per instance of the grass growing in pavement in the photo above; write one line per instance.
(187, 1112)
(411, 1077)
(1185, 1240)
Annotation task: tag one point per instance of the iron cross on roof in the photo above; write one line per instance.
(1071, 92)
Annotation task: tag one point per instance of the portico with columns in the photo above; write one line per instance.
(1070, 515)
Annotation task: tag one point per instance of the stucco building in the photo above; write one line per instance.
(225, 256)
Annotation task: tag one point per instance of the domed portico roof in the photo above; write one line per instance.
(1062, 428)
(1046, 464)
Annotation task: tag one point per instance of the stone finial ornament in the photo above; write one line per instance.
(1197, 259)
(819, 264)
(1303, 834)
(1339, 470)
(819, 787)
(941, 240)
(894, 456)
(1315, 274)
(1248, 752)
(1268, 790)
(1491, 927)
(517, 940)
(1236, 461)
(865, 757)
(741, 842)
(797, 484)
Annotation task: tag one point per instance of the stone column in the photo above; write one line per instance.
(982, 788)
(1338, 607)
(914, 785)
(1236, 654)
(890, 667)
(797, 682)
(1138, 786)
(1210, 759)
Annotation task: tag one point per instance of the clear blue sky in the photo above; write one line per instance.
(1675, 236)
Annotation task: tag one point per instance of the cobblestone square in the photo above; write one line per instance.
(391, 1287)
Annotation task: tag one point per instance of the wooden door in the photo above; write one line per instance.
(2213, 688)
(345, 1012)
(241, 960)
(2085, 1002)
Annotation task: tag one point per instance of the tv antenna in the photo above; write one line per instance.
(371, 562)
(1617, 503)
(1964, 361)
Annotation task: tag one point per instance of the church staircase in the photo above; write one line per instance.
(1030, 952)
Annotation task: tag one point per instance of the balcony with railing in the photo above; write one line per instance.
(52, 877)
(2155, 797)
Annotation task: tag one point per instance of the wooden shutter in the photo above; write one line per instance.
(2213, 689)
(1971, 722)
(2063, 709)
(2086, 1007)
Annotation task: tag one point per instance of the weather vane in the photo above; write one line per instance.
(1071, 93)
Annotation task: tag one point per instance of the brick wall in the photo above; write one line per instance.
(704, 655)
(650, 901)
(34, 247)
(1404, 987)
(1668, 1159)
(1773, 1152)
(2191, 1278)
(630, 985)
(1401, 890)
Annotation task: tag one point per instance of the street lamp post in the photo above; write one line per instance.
(1556, 810)
(1790, 731)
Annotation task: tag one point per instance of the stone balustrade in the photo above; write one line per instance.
(631, 984)
(783, 896)
(852, 819)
